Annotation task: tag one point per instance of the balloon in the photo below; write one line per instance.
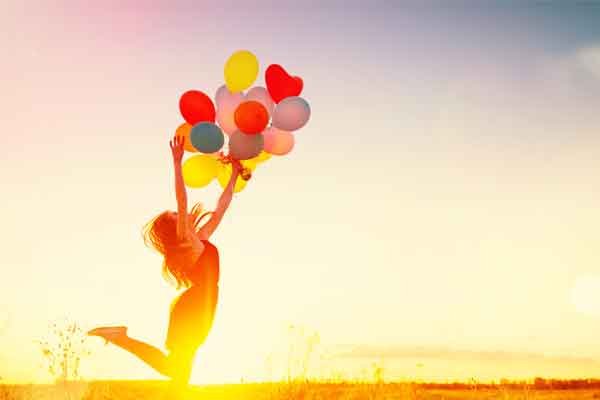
(184, 130)
(244, 147)
(251, 165)
(199, 170)
(207, 137)
(278, 142)
(291, 114)
(226, 121)
(227, 103)
(261, 95)
(241, 70)
(281, 84)
(254, 161)
(224, 98)
(251, 117)
(224, 176)
(196, 107)
(263, 156)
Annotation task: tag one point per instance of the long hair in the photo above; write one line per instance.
(160, 233)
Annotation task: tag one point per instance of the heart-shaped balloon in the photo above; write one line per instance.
(280, 84)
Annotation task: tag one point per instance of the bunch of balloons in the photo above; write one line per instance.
(258, 124)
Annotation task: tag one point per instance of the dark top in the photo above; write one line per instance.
(193, 311)
(208, 262)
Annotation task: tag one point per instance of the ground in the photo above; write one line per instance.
(130, 390)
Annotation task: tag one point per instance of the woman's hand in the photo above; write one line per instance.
(240, 170)
(176, 145)
(237, 169)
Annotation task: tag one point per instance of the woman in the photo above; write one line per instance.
(191, 261)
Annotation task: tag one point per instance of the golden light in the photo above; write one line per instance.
(585, 294)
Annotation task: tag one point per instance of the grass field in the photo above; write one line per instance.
(130, 390)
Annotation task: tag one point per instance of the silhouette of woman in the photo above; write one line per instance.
(190, 261)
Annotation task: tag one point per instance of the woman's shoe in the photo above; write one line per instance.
(108, 333)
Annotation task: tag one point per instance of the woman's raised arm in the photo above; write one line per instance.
(223, 203)
(183, 226)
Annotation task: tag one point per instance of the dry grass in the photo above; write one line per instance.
(130, 390)
(66, 347)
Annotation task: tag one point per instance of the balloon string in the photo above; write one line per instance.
(245, 173)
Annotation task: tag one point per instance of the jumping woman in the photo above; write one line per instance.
(190, 261)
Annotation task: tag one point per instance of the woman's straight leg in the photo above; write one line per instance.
(151, 355)
(180, 363)
(177, 365)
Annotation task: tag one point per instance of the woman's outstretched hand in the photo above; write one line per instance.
(237, 168)
(176, 145)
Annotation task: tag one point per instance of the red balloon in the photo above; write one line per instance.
(196, 106)
(280, 84)
(251, 117)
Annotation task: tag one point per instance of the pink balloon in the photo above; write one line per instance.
(227, 103)
(278, 142)
(260, 94)
(224, 98)
(225, 119)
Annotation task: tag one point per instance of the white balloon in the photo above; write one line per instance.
(260, 94)
(291, 114)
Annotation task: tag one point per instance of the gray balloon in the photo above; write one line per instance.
(291, 114)
(243, 146)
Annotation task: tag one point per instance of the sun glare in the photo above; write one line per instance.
(585, 294)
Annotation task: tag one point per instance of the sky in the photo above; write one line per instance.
(437, 216)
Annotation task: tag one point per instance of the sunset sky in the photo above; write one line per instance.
(439, 213)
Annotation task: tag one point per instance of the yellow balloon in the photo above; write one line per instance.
(254, 161)
(241, 70)
(251, 163)
(263, 156)
(224, 175)
(199, 170)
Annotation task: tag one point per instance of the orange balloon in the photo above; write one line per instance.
(251, 117)
(184, 130)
